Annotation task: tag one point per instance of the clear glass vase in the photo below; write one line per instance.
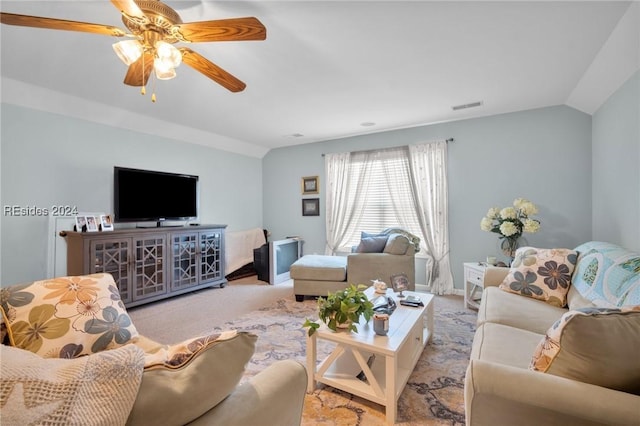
(509, 247)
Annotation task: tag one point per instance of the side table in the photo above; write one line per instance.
(473, 283)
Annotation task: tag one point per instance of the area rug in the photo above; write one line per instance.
(434, 392)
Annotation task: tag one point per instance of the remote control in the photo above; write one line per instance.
(413, 304)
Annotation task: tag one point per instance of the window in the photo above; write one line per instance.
(402, 187)
(386, 201)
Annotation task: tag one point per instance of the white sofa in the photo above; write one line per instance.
(593, 354)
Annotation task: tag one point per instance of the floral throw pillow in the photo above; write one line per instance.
(66, 317)
(543, 274)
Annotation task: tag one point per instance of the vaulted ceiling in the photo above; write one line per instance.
(327, 69)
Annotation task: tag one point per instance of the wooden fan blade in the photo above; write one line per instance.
(59, 24)
(237, 29)
(128, 7)
(139, 71)
(211, 70)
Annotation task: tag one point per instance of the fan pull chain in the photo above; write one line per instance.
(153, 90)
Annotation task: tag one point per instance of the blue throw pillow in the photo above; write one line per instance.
(369, 235)
(372, 244)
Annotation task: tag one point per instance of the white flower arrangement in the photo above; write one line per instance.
(510, 222)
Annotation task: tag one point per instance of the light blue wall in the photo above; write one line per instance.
(616, 167)
(51, 159)
(543, 155)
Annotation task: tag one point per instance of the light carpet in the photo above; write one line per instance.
(432, 396)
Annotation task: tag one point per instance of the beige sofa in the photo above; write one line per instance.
(317, 275)
(116, 376)
(501, 386)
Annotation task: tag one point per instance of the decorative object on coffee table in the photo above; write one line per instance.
(400, 283)
(510, 223)
(379, 286)
(342, 309)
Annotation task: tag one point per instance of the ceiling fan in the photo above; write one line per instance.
(154, 28)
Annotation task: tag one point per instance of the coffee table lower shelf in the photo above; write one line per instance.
(373, 367)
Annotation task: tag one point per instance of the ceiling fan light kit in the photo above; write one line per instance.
(128, 51)
(155, 28)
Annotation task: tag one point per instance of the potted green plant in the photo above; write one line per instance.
(342, 309)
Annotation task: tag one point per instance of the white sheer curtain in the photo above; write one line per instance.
(428, 164)
(397, 174)
(345, 195)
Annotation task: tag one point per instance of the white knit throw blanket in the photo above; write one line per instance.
(99, 389)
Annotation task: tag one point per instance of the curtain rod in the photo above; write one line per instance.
(446, 140)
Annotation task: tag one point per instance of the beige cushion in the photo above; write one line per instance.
(594, 345)
(319, 267)
(99, 389)
(397, 244)
(504, 345)
(67, 317)
(181, 382)
(543, 274)
(510, 309)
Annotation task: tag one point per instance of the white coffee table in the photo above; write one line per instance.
(395, 355)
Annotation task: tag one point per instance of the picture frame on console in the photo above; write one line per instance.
(400, 283)
(311, 207)
(106, 222)
(310, 185)
(81, 223)
(92, 223)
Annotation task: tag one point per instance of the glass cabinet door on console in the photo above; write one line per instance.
(184, 265)
(197, 258)
(211, 265)
(149, 267)
(112, 256)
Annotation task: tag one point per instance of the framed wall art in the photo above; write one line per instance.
(311, 207)
(310, 185)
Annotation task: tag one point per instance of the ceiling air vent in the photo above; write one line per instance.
(465, 106)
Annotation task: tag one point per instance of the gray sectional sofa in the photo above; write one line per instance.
(529, 368)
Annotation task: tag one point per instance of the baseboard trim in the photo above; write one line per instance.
(424, 289)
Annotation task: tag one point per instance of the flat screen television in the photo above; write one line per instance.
(282, 254)
(146, 195)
